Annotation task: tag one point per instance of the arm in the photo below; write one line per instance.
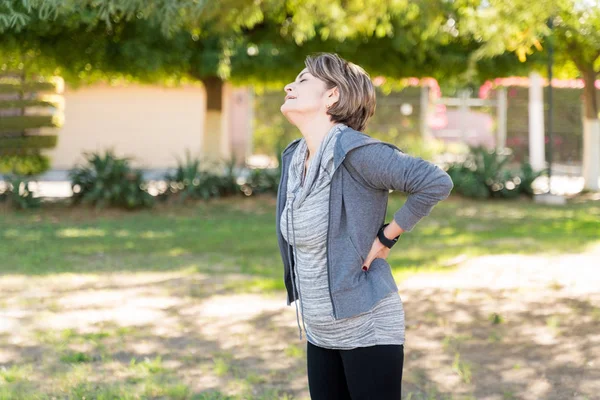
(382, 167)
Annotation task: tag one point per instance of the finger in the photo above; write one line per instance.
(367, 264)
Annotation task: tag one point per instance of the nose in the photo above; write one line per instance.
(288, 88)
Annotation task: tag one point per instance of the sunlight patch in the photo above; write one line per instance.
(78, 232)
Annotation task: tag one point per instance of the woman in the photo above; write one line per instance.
(331, 209)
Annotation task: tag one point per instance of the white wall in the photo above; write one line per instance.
(151, 123)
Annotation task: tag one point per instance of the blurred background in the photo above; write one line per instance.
(139, 161)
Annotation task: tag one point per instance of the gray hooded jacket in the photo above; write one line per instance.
(365, 170)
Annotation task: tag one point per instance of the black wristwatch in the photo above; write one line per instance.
(383, 239)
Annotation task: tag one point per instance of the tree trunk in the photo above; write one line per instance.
(591, 132)
(214, 143)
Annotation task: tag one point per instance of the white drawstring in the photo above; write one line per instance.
(287, 225)
(296, 263)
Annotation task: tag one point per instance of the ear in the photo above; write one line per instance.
(333, 95)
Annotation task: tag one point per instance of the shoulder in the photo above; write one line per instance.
(351, 139)
(373, 152)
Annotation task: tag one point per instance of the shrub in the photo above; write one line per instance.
(485, 173)
(18, 193)
(191, 180)
(262, 180)
(30, 164)
(227, 184)
(107, 180)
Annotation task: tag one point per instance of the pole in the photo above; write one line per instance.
(537, 157)
(464, 111)
(424, 113)
(501, 119)
(549, 124)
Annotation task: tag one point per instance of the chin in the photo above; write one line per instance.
(289, 115)
(287, 109)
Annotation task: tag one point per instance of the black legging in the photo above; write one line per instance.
(363, 373)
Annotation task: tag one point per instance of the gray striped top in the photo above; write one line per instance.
(304, 223)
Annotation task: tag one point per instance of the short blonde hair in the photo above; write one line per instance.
(357, 94)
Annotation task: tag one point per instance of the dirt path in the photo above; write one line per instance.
(496, 328)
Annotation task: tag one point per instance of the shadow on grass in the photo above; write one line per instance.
(461, 344)
(177, 357)
(483, 343)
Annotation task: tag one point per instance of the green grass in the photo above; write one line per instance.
(462, 368)
(238, 235)
(15, 373)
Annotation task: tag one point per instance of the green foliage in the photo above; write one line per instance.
(24, 164)
(192, 180)
(187, 178)
(74, 357)
(228, 185)
(496, 318)
(262, 180)
(22, 122)
(574, 36)
(18, 194)
(17, 86)
(245, 42)
(107, 180)
(4, 104)
(485, 173)
(14, 144)
(20, 151)
(462, 368)
(266, 41)
(467, 182)
(527, 176)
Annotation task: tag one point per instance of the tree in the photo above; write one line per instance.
(395, 39)
(242, 41)
(522, 27)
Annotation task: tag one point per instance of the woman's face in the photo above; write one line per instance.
(307, 95)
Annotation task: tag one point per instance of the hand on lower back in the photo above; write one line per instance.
(378, 250)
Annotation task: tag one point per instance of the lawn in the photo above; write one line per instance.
(238, 235)
(187, 302)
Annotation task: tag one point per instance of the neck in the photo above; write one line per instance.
(314, 131)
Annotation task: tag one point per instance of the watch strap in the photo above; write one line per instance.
(384, 240)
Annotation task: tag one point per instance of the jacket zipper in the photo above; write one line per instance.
(327, 246)
(328, 268)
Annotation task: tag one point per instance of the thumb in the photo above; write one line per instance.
(369, 259)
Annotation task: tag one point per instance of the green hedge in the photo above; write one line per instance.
(27, 87)
(20, 146)
(24, 164)
(23, 122)
(5, 104)
(13, 144)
